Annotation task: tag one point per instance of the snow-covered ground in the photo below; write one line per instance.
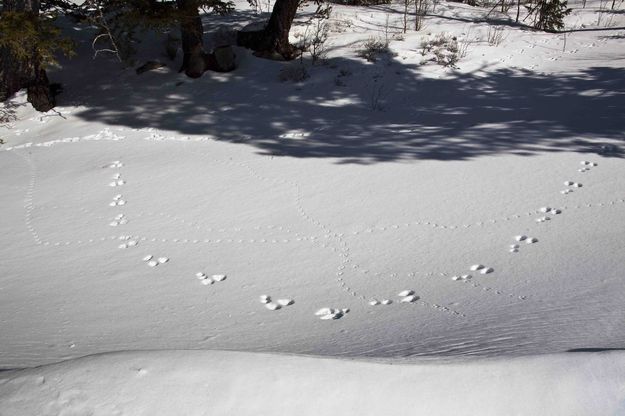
(396, 210)
(165, 383)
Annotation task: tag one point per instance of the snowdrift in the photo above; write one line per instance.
(234, 383)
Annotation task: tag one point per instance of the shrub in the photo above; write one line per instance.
(372, 48)
(444, 49)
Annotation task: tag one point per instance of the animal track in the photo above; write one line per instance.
(548, 210)
(586, 166)
(461, 277)
(376, 302)
(408, 296)
(294, 135)
(514, 248)
(117, 201)
(331, 239)
(117, 182)
(119, 219)
(205, 280)
(331, 313)
(274, 306)
(152, 262)
(481, 268)
(128, 242)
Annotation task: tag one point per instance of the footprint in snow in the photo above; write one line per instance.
(461, 278)
(278, 304)
(117, 201)
(119, 219)
(331, 313)
(153, 262)
(408, 296)
(482, 269)
(376, 302)
(115, 164)
(586, 165)
(118, 182)
(294, 135)
(206, 280)
(128, 244)
(514, 248)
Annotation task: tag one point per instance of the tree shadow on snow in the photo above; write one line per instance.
(358, 112)
(594, 349)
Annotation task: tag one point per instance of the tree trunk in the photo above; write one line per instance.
(39, 92)
(195, 60)
(274, 38)
(12, 73)
(192, 33)
(16, 74)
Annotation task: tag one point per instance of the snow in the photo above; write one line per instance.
(462, 227)
(193, 383)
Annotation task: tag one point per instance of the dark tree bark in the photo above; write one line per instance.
(39, 92)
(274, 38)
(12, 73)
(16, 74)
(192, 33)
(195, 60)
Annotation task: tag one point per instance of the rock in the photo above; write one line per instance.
(149, 66)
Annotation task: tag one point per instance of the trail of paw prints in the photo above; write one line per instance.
(207, 280)
(294, 135)
(29, 207)
(328, 314)
(127, 241)
(549, 211)
(376, 302)
(479, 268)
(440, 226)
(408, 296)
(199, 227)
(155, 136)
(117, 180)
(151, 261)
(105, 134)
(260, 241)
(343, 251)
(275, 305)
(514, 248)
(88, 241)
(599, 204)
(118, 200)
(586, 166)
(339, 246)
(119, 219)
(570, 185)
(29, 199)
(116, 164)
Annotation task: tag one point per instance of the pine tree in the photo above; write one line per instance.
(549, 14)
(28, 46)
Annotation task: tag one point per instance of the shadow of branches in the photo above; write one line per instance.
(461, 116)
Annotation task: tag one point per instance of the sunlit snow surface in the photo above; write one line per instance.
(453, 214)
